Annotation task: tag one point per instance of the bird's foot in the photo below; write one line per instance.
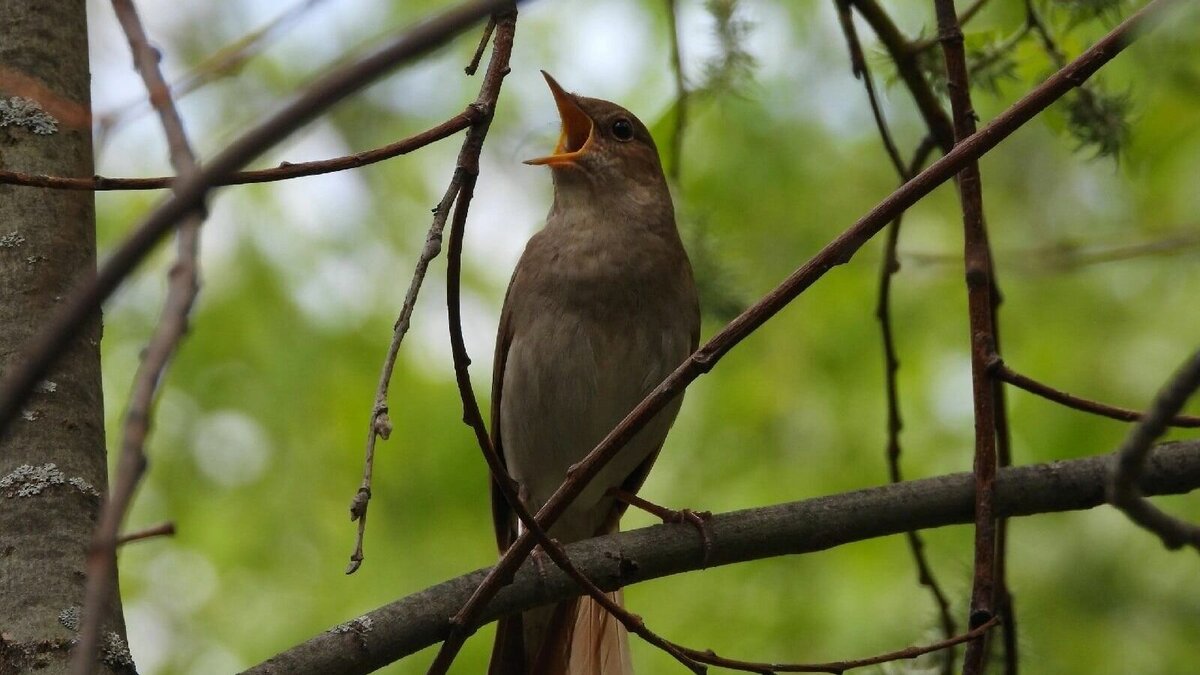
(697, 519)
(541, 560)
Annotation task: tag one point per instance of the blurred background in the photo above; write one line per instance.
(258, 443)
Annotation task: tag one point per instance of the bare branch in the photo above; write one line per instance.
(905, 58)
(380, 426)
(227, 60)
(858, 65)
(887, 269)
(417, 621)
(183, 285)
(979, 273)
(842, 666)
(837, 252)
(483, 42)
(964, 17)
(284, 171)
(1002, 371)
(681, 94)
(1131, 460)
(166, 529)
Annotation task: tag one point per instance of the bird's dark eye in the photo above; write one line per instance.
(622, 129)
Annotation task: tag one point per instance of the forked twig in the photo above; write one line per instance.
(379, 425)
(1005, 373)
(1123, 491)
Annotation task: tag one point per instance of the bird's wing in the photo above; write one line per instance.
(637, 477)
(503, 519)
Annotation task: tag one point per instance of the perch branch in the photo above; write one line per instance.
(410, 624)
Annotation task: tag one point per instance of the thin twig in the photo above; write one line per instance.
(979, 274)
(284, 171)
(380, 426)
(410, 624)
(902, 54)
(837, 252)
(888, 267)
(43, 349)
(1005, 602)
(166, 529)
(964, 17)
(681, 95)
(916, 544)
(858, 66)
(1066, 256)
(1002, 371)
(842, 666)
(225, 61)
(1131, 459)
(183, 286)
(483, 43)
(1049, 45)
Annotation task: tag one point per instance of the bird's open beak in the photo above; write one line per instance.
(576, 136)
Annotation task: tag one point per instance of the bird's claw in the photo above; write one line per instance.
(698, 520)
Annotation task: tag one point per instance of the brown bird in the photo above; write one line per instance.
(601, 308)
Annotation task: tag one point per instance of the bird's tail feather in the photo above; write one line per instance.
(582, 638)
(599, 643)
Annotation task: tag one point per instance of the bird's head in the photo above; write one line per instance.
(602, 147)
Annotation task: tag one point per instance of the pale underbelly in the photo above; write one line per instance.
(559, 404)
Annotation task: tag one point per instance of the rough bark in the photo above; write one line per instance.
(52, 460)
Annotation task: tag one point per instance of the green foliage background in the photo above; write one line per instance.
(258, 442)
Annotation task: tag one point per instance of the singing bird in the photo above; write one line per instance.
(600, 309)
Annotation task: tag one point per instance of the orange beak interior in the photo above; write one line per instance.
(576, 134)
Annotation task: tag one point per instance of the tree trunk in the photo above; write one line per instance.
(52, 460)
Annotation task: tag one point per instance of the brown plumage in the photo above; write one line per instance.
(602, 306)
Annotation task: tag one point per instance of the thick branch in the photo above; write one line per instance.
(419, 620)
